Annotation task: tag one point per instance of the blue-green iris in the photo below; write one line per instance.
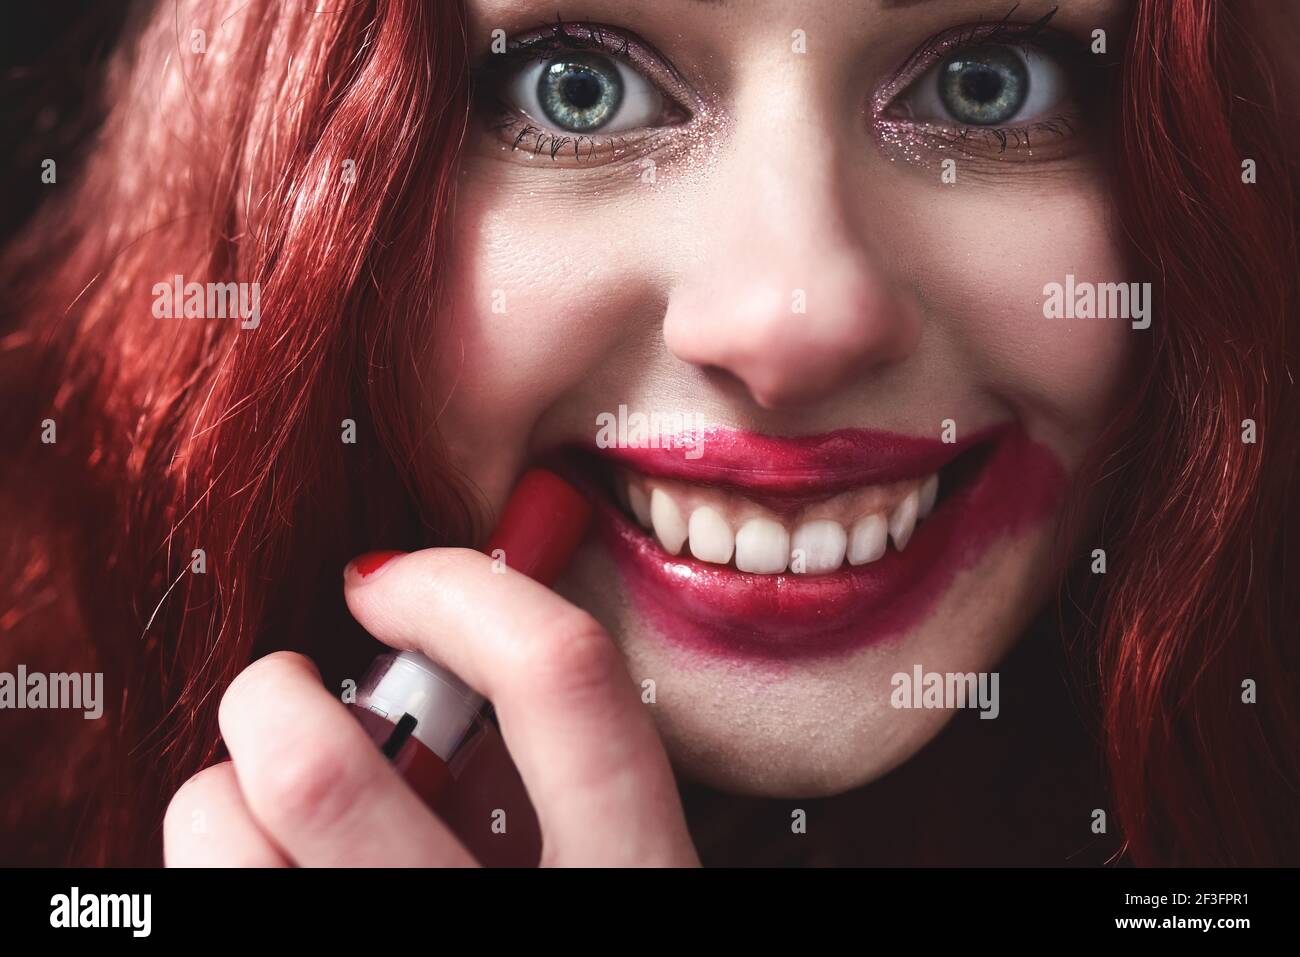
(580, 93)
(984, 87)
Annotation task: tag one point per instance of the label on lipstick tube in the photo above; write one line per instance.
(424, 707)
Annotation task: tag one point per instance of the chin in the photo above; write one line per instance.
(769, 765)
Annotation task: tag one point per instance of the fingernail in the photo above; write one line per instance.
(368, 565)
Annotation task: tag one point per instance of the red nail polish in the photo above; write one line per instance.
(369, 563)
(425, 719)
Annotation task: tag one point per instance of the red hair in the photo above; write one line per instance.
(176, 435)
(1200, 597)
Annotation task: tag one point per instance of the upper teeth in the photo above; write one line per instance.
(711, 537)
(718, 528)
(669, 526)
(818, 546)
(762, 546)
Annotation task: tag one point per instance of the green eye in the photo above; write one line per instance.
(580, 93)
(984, 87)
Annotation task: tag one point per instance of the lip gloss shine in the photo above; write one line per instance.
(425, 719)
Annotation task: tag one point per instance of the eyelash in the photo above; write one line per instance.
(983, 33)
(948, 43)
(545, 42)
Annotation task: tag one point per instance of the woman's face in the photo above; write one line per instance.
(819, 233)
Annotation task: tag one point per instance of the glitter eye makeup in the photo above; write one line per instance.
(995, 90)
(585, 94)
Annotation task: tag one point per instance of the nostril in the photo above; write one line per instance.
(725, 382)
(786, 395)
(773, 386)
(767, 392)
(770, 395)
(791, 347)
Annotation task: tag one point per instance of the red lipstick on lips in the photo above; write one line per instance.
(424, 718)
(993, 485)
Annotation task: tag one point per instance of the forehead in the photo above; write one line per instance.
(864, 12)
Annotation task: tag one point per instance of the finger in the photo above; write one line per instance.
(316, 783)
(488, 807)
(585, 747)
(208, 825)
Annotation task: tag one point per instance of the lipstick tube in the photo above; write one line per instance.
(424, 718)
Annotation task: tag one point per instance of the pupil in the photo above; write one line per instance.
(981, 85)
(581, 90)
(984, 86)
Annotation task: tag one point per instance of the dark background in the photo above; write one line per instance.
(52, 54)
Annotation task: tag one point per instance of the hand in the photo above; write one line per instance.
(305, 784)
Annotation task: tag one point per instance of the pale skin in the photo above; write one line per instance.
(924, 303)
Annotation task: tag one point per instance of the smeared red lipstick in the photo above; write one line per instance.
(817, 465)
(1000, 482)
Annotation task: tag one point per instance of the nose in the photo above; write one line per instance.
(786, 295)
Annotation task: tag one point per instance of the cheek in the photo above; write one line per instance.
(539, 296)
(982, 272)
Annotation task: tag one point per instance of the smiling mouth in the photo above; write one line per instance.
(783, 548)
(723, 527)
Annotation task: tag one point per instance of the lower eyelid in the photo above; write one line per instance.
(1051, 138)
(519, 133)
